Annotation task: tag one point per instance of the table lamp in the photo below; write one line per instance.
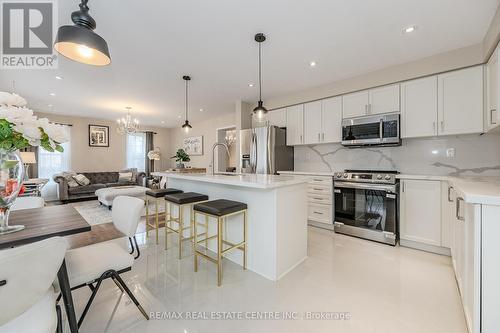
(28, 157)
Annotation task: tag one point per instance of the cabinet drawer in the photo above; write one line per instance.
(324, 199)
(320, 180)
(319, 189)
(320, 213)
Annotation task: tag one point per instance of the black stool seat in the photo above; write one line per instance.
(220, 207)
(186, 198)
(158, 193)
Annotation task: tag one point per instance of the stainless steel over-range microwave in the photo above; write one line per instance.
(374, 130)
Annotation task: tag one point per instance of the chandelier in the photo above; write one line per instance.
(127, 125)
(230, 138)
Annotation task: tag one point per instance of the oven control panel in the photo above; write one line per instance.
(366, 177)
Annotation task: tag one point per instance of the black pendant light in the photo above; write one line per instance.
(79, 42)
(186, 125)
(260, 110)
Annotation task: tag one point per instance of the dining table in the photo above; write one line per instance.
(46, 222)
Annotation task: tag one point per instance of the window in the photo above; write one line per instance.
(136, 151)
(50, 163)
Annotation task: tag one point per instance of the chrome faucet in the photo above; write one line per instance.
(213, 153)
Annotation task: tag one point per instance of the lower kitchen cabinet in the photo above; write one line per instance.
(420, 216)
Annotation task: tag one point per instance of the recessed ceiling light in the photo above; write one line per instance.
(312, 64)
(409, 29)
(250, 85)
(59, 77)
(50, 105)
(52, 94)
(163, 121)
(179, 117)
(201, 110)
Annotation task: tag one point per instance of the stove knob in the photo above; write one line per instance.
(346, 175)
(339, 174)
(379, 177)
(387, 177)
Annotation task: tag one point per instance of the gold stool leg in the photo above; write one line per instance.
(156, 219)
(180, 228)
(219, 251)
(192, 222)
(206, 233)
(146, 200)
(195, 246)
(245, 240)
(167, 218)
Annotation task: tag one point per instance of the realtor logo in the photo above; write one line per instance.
(28, 31)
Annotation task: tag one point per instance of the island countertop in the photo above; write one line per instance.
(242, 180)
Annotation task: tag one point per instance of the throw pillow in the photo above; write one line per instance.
(81, 179)
(69, 178)
(124, 177)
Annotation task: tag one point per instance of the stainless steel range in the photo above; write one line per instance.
(366, 204)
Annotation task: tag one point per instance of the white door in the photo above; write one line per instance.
(355, 104)
(331, 119)
(421, 211)
(276, 117)
(384, 99)
(295, 125)
(419, 103)
(460, 101)
(492, 91)
(312, 122)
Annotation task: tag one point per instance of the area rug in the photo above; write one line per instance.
(96, 214)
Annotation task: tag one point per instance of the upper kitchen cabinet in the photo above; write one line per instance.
(272, 118)
(312, 122)
(295, 125)
(373, 101)
(419, 103)
(355, 104)
(492, 116)
(384, 99)
(331, 119)
(460, 101)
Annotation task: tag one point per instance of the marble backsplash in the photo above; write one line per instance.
(465, 155)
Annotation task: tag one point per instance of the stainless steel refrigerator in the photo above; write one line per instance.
(264, 151)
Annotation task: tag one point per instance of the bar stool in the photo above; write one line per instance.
(156, 194)
(220, 210)
(181, 200)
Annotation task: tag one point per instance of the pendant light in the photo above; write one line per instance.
(260, 110)
(79, 42)
(186, 125)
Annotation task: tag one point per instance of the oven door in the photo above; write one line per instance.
(367, 210)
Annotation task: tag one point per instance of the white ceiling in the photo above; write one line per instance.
(153, 43)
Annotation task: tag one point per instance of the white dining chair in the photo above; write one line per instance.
(27, 299)
(90, 265)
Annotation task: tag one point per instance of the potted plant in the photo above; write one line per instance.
(180, 157)
(19, 129)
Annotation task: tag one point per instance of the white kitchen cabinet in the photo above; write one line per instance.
(419, 103)
(421, 211)
(295, 125)
(384, 99)
(355, 104)
(331, 119)
(312, 122)
(460, 101)
(492, 116)
(447, 214)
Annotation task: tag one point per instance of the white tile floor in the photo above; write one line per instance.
(384, 289)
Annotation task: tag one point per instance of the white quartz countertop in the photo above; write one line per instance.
(306, 173)
(242, 180)
(476, 190)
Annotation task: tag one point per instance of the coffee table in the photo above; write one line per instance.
(106, 195)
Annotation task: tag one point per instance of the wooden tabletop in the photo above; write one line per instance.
(44, 223)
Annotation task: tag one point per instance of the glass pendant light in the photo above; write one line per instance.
(260, 110)
(79, 42)
(186, 127)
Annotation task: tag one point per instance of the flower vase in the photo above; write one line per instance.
(11, 178)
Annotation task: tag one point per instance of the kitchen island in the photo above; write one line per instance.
(277, 216)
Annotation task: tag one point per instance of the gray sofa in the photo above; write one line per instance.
(97, 180)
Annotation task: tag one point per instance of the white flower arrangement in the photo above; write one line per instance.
(20, 128)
